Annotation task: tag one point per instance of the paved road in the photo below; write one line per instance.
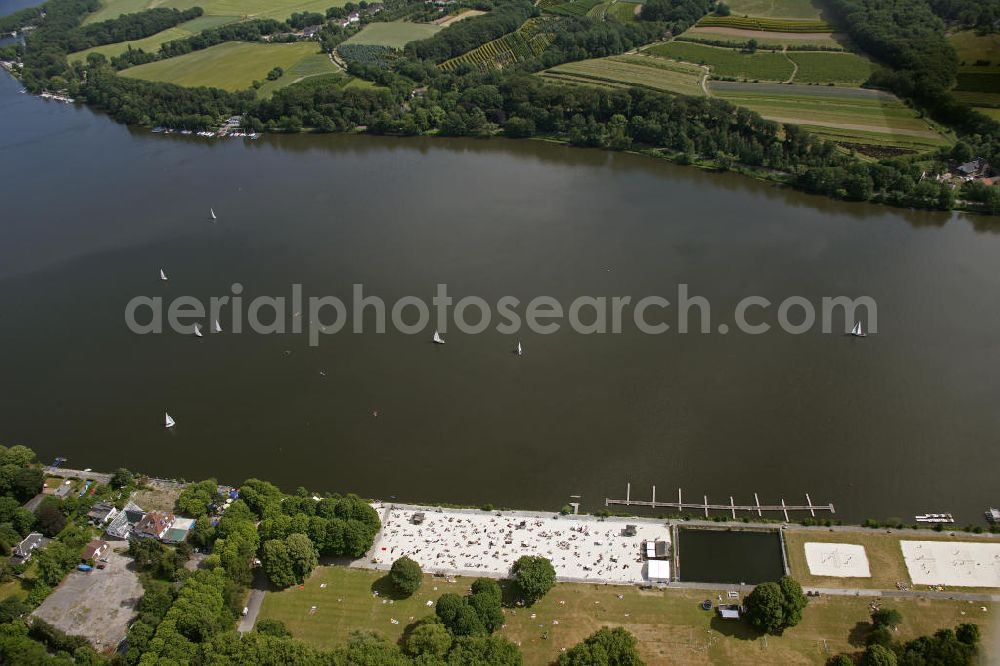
(68, 473)
(259, 587)
(852, 592)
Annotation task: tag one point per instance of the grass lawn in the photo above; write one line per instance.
(766, 40)
(278, 9)
(801, 9)
(762, 66)
(152, 43)
(988, 111)
(885, 557)
(396, 34)
(670, 626)
(822, 67)
(972, 47)
(632, 70)
(313, 64)
(347, 603)
(232, 65)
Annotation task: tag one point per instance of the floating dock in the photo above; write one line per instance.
(732, 507)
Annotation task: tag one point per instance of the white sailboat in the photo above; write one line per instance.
(520, 350)
(216, 328)
(211, 211)
(170, 421)
(857, 331)
(437, 339)
(163, 276)
(197, 330)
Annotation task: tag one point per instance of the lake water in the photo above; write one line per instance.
(900, 423)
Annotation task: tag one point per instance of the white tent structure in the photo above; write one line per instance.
(658, 571)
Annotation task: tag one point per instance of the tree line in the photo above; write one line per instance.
(128, 27)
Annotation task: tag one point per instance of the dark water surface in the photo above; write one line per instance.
(900, 423)
(720, 556)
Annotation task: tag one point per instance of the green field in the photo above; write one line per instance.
(396, 34)
(235, 65)
(978, 98)
(573, 7)
(669, 625)
(789, 9)
(971, 47)
(632, 70)
(762, 66)
(766, 24)
(152, 43)
(623, 11)
(823, 67)
(851, 115)
(738, 38)
(992, 112)
(278, 9)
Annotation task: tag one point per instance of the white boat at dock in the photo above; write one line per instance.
(935, 518)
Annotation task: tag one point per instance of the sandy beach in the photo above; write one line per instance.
(481, 543)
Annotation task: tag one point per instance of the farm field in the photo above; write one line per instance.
(632, 70)
(669, 625)
(624, 11)
(152, 43)
(822, 67)
(396, 34)
(993, 113)
(530, 39)
(766, 24)
(971, 47)
(461, 16)
(763, 65)
(573, 7)
(789, 9)
(849, 114)
(738, 38)
(232, 65)
(278, 9)
(313, 64)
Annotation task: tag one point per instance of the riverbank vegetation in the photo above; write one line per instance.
(478, 77)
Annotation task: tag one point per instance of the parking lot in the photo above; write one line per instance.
(98, 604)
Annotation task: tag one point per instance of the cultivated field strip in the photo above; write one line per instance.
(533, 37)
(632, 70)
(766, 24)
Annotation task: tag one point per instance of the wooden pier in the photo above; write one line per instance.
(731, 508)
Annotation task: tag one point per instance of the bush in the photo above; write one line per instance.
(406, 575)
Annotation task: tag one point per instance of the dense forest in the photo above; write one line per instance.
(128, 27)
(983, 15)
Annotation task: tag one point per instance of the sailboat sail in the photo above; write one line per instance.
(857, 331)
(169, 422)
(163, 276)
(520, 350)
(211, 212)
(216, 328)
(437, 339)
(197, 330)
